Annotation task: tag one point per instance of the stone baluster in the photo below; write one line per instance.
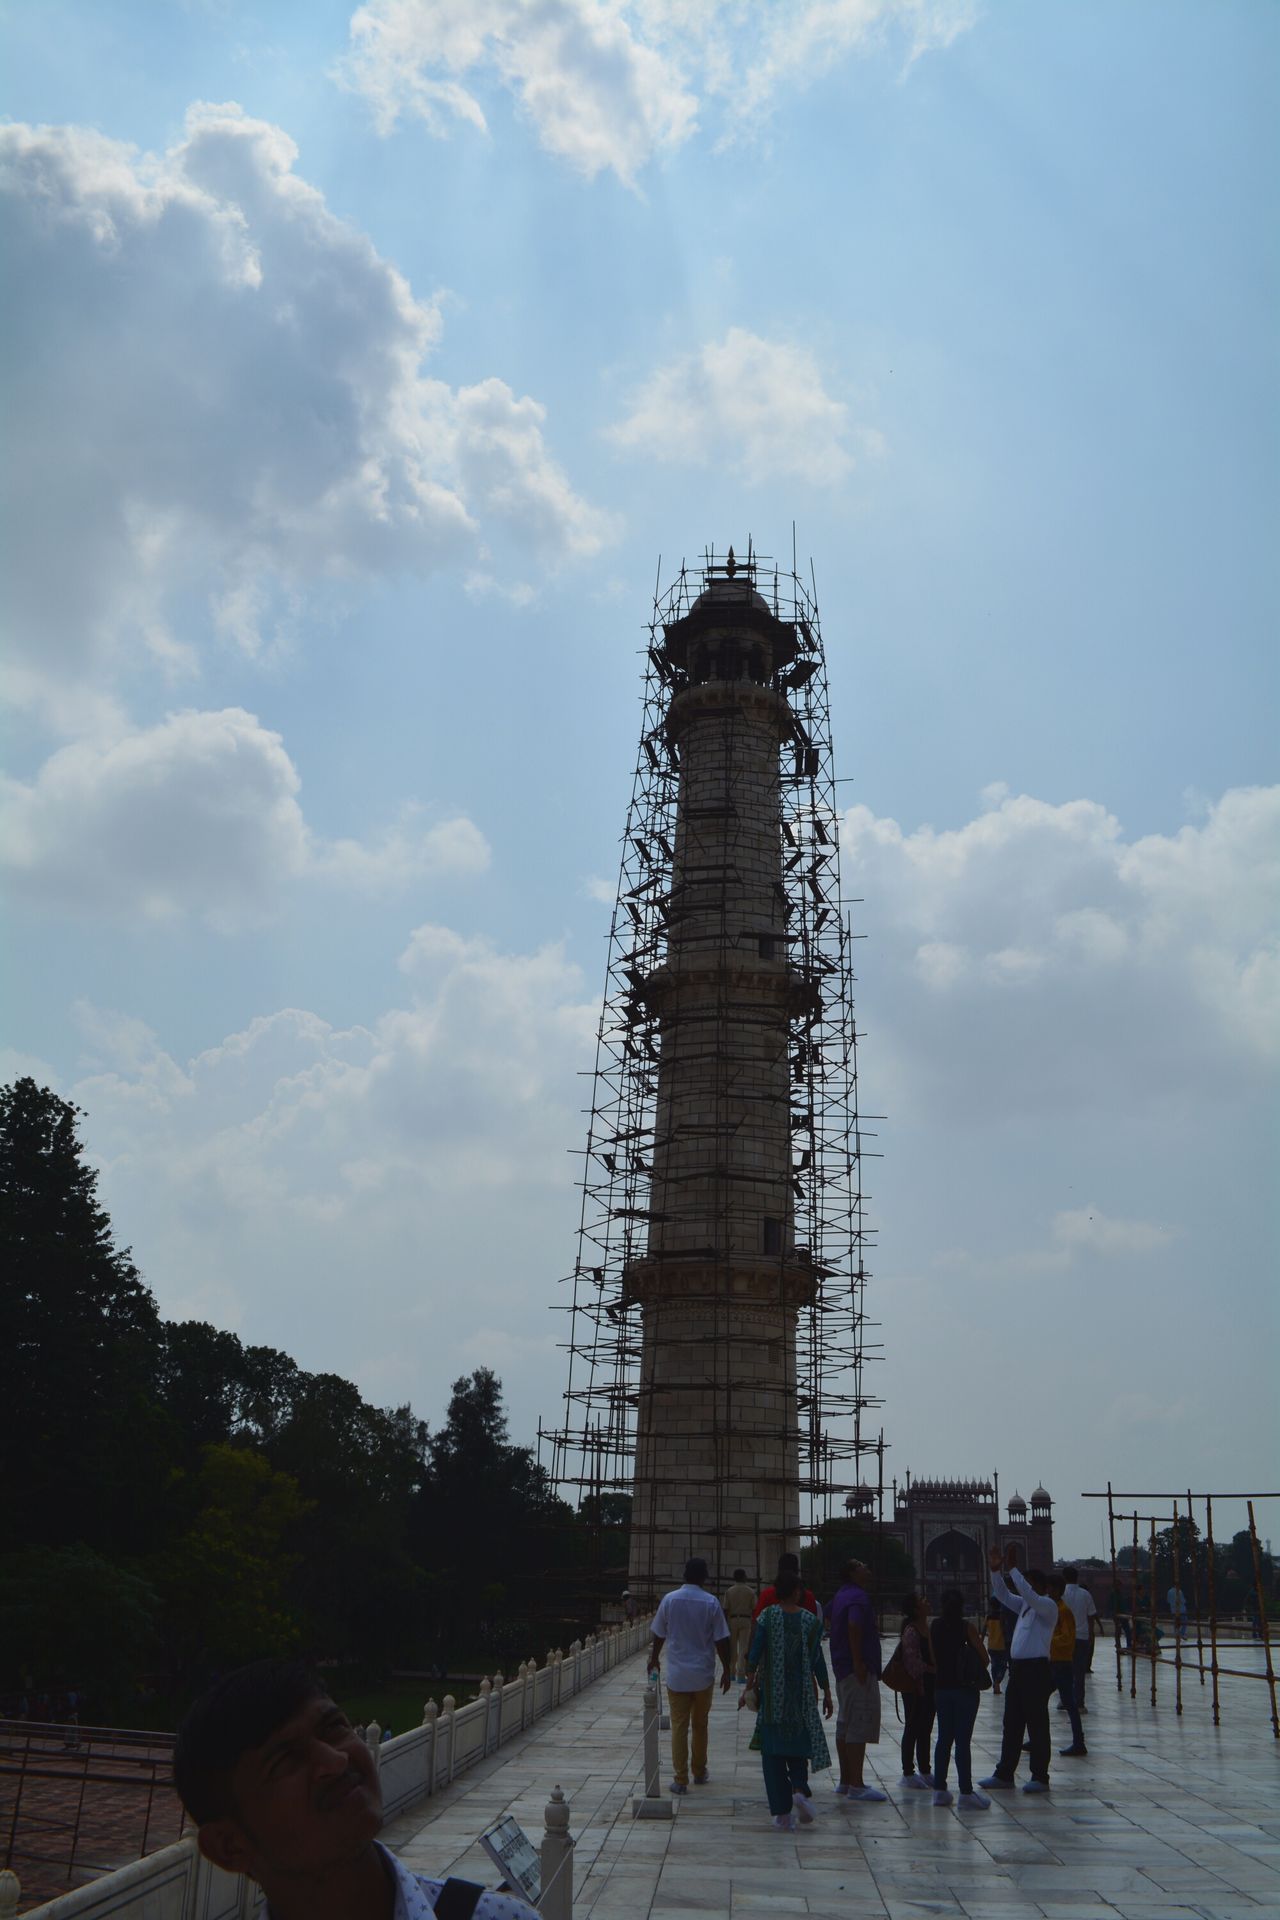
(486, 1694)
(373, 1740)
(448, 1707)
(11, 1889)
(430, 1714)
(653, 1804)
(557, 1860)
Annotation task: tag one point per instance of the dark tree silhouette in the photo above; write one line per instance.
(80, 1335)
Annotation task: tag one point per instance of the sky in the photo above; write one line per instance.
(365, 370)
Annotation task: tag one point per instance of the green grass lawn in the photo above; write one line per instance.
(398, 1704)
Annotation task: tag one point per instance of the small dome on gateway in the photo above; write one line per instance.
(1040, 1498)
(1017, 1504)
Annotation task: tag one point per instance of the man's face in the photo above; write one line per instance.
(306, 1800)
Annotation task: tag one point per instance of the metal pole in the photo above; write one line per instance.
(1195, 1581)
(1115, 1586)
(151, 1795)
(1213, 1604)
(1264, 1626)
(1133, 1615)
(75, 1831)
(1151, 1586)
(17, 1799)
(1179, 1619)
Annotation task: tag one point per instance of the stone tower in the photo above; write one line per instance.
(721, 1282)
(714, 1398)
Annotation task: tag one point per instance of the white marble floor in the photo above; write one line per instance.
(1166, 1819)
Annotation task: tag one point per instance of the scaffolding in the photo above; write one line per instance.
(689, 862)
(1190, 1555)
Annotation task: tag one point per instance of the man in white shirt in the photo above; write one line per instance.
(1026, 1699)
(1178, 1608)
(690, 1624)
(283, 1790)
(1081, 1603)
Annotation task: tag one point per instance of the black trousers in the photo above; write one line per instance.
(917, 1732)
(1026, 1715)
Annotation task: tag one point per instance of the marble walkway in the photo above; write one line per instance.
(1167, 1819)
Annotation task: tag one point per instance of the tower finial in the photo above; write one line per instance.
(731, 565)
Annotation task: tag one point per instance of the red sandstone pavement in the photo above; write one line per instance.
(107, 1820)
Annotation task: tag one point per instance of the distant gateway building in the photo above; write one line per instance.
(948, 1527)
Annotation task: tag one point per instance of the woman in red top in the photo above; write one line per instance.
(787, 1563)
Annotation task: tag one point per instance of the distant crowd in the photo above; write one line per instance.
(1036, 1638)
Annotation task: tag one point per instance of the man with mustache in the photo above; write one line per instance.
(284, 1790)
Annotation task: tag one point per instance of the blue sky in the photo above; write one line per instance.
(363, 368)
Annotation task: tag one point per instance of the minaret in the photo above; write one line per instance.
(714, 1400)
(721, 1281)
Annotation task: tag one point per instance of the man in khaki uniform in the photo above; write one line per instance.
(739, 1606)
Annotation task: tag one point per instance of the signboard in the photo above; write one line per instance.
(512, 1852)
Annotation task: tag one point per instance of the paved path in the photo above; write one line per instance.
(1165, 1820)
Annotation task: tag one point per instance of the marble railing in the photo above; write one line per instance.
(178, 1883)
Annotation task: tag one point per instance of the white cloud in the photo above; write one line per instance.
(218, 396)
(199, 814)
(610, 85)
(599, 95)
(1036, 954)
(754, 405)
(330, 1189)
(504, 468)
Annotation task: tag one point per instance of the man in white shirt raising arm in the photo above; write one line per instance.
(1026, 1700)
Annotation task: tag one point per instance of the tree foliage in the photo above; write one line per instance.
(839, 1540)
(79, 1332)
(69, 1617)
(210, 1501)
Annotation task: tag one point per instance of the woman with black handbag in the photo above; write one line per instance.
(960, 1662)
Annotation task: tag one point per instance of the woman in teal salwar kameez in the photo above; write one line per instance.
(784, 1660)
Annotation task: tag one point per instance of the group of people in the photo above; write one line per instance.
(282, 1788)
(1039, 1632)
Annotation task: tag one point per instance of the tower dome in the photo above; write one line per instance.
(1017, 1506)
(1040, 1498)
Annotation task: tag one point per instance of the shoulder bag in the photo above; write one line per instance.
(971, 1668)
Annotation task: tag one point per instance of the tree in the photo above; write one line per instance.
(80, 1335)
(225, 1581)
(841, 1540)
(70, 1618)
(361, 1468)
(488, 1520)
(201, 1384)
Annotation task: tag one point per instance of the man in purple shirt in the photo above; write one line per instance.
(855, 1657)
